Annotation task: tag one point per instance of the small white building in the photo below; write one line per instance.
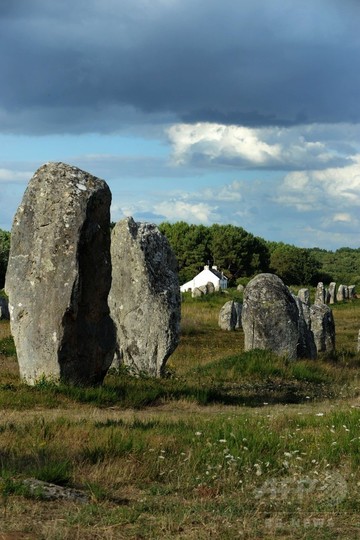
(209, 274)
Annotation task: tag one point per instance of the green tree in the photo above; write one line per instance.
(4, 255)
(237, 252)
(191, 246)
(295, 266)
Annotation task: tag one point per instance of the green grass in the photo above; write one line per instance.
(230, 445)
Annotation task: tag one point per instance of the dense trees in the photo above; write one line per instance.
(295, 266)
(236, 252)
(4, 255)
(241, 255)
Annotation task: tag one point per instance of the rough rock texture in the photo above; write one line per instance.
(352, 291)
(197, 292)
(358, 342)
(4, 308)
(306, 345)
(340, 295)
(320, 293)
(145, 297)
(59, 275)
(210, 287)
(230, 316)
(304, 296)
(322, 328)
(332, 292)
(270, 316)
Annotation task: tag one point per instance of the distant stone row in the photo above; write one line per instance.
(273, 318)
(331, 294)
(79, 302)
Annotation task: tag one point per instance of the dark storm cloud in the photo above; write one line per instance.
(95, 65)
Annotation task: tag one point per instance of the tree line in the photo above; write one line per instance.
(241, 255)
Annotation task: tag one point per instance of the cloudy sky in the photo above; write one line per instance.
(240, 111)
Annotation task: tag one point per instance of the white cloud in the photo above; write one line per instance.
(185, 211)
(342, 218)
(214, 141)
(335, 187)
(298, 147)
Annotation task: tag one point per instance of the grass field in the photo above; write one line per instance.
(229, 445)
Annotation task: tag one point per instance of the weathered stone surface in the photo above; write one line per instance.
(352, 291)
(238, 310)
(270, 316)
(230, 316)
(59, 275)
(52, 492)
(4, 308)
(240, 288)
(306, 345)
(210, 287)
(320, 293)
(323, 328)
(304, 296)
(358, 342)
(332, 292)
(196, 292)
(145, 297)
(340, 295)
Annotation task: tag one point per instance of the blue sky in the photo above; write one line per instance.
(242, 112)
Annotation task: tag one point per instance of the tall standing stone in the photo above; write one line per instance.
(59, 276)
(306, 344)
(145, 297)
(341, 293)
(323, 328)
(270, 316)
(332, 292)
(320, 295)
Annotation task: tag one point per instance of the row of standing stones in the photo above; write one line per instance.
(273, 318)
(79, 300)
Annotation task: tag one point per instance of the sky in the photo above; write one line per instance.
(241, 111)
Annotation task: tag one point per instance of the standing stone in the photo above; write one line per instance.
(210, 287)
(323, 328)
(341, 293)
(346, 292)
(352, 291)
(304, 296)
(59, 276)
(4, 308)
(306, 345)
(145, 297)
(196, 292)
(358, 342)
(240, 288)
(320, 293)
(238, 310)
(332, 292)
(230, 316)
(270, 316)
